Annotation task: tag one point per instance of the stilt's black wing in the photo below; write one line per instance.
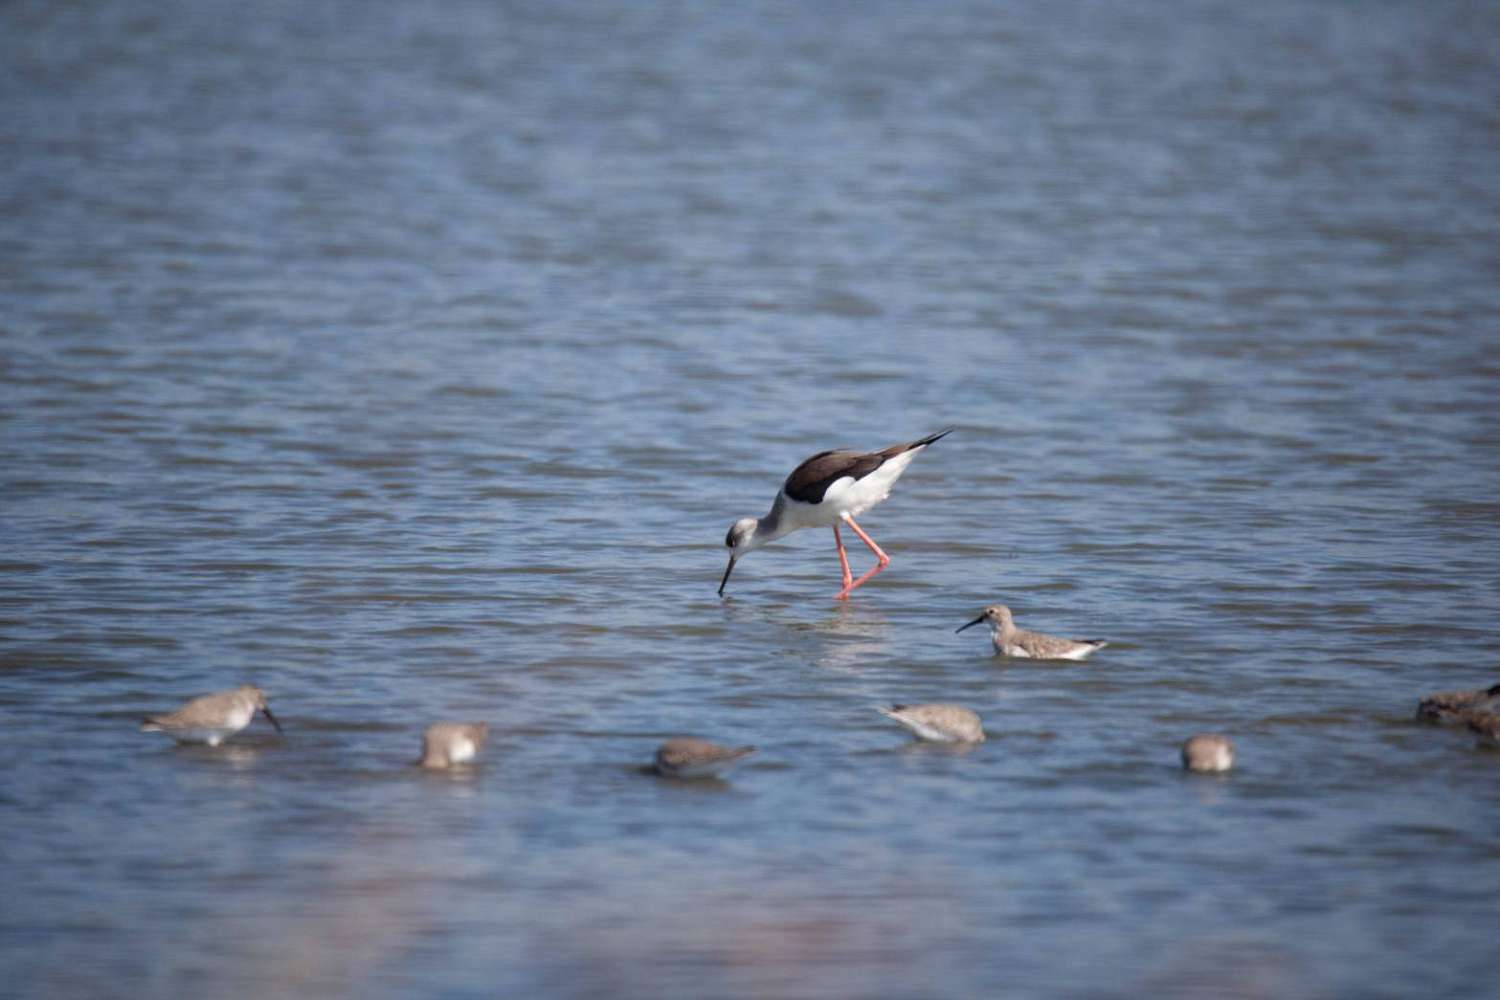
(810, 480)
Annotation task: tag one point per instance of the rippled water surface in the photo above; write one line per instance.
(411, 361)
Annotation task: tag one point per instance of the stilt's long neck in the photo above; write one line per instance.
(772, 526)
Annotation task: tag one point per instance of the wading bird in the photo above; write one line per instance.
(826, 490)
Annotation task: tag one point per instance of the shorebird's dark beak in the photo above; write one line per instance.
(271, 718)
(970, 625)
(727, 570)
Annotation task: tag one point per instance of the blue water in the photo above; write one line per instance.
(411, 361)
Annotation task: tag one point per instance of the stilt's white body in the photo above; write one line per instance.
(849, 497)
(845, 498)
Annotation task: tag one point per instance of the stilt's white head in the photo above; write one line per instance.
(743, 536)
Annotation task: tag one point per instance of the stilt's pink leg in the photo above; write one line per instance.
(844, 563)
(884, 559)
(868, 573)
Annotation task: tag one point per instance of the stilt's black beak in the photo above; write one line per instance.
(972, 623)
(271, 718)
(727, 570)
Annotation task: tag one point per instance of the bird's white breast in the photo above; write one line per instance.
(935, 734)
(796, 514)
(213, 737)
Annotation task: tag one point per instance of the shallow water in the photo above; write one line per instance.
(412, 361)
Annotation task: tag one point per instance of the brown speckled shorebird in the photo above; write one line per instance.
(827, 490)
(1018, 642)
(1208, 752)
(685, 757)
(938, 723)
(1454, 708)
(211, 718)
(1486, 725)
(447, 743)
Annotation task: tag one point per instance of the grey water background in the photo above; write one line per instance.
(412, 360)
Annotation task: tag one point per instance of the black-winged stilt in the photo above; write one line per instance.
(829, 488)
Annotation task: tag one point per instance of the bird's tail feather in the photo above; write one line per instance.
(901, 449)
(929, 439)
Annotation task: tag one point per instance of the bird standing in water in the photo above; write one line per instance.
(686, 757)
(1208, 753)
(1012, 641)
(826, 490)
(210, 718)
(1454, 708)
(938, 723)
(447, 743)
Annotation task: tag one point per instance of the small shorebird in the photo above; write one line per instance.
(448, 743)
(1208, 752)
(211, 718)
(824, 491)
(1454, 708)
(686, 757)
(1012, 641)
(938, 723)
(1487, 726)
